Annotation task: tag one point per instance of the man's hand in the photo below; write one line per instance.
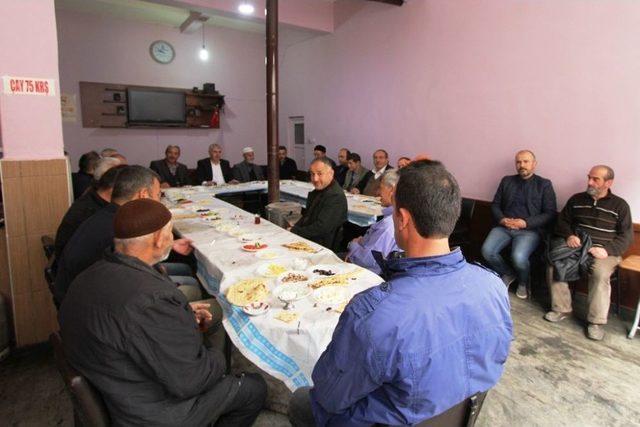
(355, 191)
(234, 181)
(209, 183)
(165, 185)
(573, 241)
(203, 316)
(507, 223)
(357, 240)
(599, 253)
(182, 246)
(519, 224)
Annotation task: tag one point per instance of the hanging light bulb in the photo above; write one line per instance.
(246, 8)
(204, 53)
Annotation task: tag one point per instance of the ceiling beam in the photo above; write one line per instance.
(395, 2)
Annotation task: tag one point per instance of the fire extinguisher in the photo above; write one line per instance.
(215, 118)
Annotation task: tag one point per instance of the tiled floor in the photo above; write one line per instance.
(554, 376)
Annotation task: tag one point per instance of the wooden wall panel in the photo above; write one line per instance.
(36, 196)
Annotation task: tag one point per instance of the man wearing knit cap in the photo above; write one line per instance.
(247, 171)
(128, 329)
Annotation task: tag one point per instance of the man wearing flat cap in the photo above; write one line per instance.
(128, 329)
(246, 170)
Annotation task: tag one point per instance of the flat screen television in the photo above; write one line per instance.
(155, 107)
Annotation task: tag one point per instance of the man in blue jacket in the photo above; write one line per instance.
(435, 334)
(524, 205)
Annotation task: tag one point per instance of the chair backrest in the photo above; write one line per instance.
(464, 414)
(88, 405)
(466, 209)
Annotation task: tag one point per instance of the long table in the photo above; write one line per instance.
(287, 351)
(363, 210)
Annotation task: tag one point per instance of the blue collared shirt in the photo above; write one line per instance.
(380, 237)
(407, 350)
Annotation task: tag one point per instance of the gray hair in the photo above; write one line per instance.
(324, 160)
(609, 175)
(131, 180)
(215, 145)
(108, 152)
(104, 165)
(390, 178)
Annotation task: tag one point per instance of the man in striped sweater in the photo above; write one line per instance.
(607, 219)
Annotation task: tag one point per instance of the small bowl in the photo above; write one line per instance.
(256, 308)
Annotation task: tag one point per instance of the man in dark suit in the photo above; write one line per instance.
(172, 173)
(288, 166)
(247, 170)
(326, 207)
(214, 170)
(340, 171)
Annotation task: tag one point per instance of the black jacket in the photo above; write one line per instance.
(80, 181)
(178, 180)
(203, 171)
(131, 332)
(288, 168)
(340, 174)
(325, 213)
(88, 204)
(541, 203)
(85, 247)
(570, 263)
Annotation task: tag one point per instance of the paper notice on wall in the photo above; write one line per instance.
(28, 86)
(68, 107)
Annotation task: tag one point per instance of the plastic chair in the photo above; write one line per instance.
(88, 407)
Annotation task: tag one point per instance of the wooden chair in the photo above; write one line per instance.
(461, 235)
(89, 409)
(631, 263)
(464, 414)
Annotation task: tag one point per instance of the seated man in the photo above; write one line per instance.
(320, 152)
(524, 205)
(95, 234)
(380, 236)
(606, 218)
(129, 330)
(288, 166)
(171, 172)
(247, 171)
(89, 203)
(340, 171)
(82, 179)
(380, 166)
(403, 161)
(358, 176)
(435, 334)
(214, 170)
(326, 208)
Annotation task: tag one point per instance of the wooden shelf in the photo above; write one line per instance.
(97, 112)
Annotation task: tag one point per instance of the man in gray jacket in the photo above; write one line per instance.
(247, 171)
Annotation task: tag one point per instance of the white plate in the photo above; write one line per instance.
(249, 237)
(281, 276)
(331, 295)
(269, 254)
(290, 293)
(256, 308)
(335, 268)
(262, 248)
(264, 270)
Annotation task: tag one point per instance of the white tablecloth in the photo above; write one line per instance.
(287, 351)
(363, 210)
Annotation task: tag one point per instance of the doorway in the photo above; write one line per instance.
(296, 139)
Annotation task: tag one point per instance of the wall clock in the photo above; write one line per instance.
(162, 51)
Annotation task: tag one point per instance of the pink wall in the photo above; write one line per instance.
(94, 48)
(470, 82)
(30, 126)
